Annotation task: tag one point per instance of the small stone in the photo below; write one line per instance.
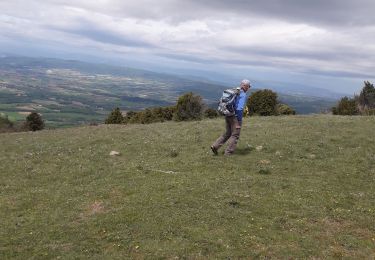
(312, 156)
(264, 162)
(259, 148)
(114, 153)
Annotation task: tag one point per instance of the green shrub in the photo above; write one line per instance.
(129, 116)
(283, 109)
(211, 113)
(168, 112)
(34, 122)
(189, 107)
(150, 115)
(367, 111)
(346, 106)
(366, 98)
(115, 117)
(263, 103)
(161, 114)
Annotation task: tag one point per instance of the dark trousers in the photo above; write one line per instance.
(232, 133)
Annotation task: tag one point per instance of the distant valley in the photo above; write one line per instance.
(71, 93)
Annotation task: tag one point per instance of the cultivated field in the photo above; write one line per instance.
(298, 187)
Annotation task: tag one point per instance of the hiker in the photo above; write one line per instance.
(233, 122)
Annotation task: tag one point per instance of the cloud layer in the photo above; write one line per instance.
(329, 38)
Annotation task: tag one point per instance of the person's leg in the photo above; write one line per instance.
(224, 137)
(233, 140)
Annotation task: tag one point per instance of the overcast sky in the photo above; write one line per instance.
(325, 43)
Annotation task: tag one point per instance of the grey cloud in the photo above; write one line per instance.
(341, 74)
(323, 12)
(270, 63)
(329, 12)
(189, 58)
(342, 54)
(106, 36)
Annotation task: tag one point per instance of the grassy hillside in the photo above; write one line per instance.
(308, 191)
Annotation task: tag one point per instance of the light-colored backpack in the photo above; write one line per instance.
(227, 101)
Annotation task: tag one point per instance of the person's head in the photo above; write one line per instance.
(245, 85)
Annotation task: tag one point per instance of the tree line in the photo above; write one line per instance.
(191, 107)
(362, 104)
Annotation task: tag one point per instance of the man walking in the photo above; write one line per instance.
(233, 123)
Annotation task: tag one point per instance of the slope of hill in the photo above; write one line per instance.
(72, 92)
(297, 187)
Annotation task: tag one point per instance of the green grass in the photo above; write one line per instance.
(308, 193)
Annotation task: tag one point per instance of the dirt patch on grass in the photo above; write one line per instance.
(335, 234)
(95, 208)
(338, 226)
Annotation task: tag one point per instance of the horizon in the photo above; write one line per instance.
(325, 44)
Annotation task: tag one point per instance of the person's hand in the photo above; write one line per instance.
(238, 125)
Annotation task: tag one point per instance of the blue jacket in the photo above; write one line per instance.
(240, 104)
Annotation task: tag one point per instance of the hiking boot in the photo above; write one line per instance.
(214, 150)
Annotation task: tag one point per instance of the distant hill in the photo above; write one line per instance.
(69, 92)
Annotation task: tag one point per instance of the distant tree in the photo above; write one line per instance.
(283, 109)
(211, 113)
(334, 110)
(147, 117)
(263, 103)
(346, 106)
(115, 117)
(128, 116)
(34, 122)
(189, 107)
(134, 117)
(366, 99)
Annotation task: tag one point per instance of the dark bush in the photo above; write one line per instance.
(150, 115)
(189, 107)
(115, 117)
(34, 122)
(366, 98)
(346, 106)
(168, 112)
(283, 109)
(211, 113)
(263, 103)
(129, 115)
